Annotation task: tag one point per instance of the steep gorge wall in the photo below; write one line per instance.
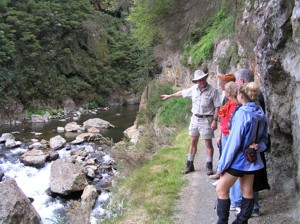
(268, 40)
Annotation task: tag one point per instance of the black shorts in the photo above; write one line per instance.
(239, 173)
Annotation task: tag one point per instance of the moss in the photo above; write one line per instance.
(221, 26)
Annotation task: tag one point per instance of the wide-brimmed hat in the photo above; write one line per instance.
(199, 74)
(227, 77)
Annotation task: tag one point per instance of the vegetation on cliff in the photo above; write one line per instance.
(54, 50)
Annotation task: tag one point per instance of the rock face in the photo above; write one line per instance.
(276, 51)
(15, 207)
(66, 177)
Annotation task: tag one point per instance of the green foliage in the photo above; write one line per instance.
(175, 113)
(222, 26)
(149, 19)
(61, 49)
(154, 102)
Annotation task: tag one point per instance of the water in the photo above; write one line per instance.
(36, 182)
(121, 117)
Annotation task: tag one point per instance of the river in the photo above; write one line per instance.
(35, 182)
(121, 117)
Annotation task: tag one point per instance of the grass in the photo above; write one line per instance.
(149, 194)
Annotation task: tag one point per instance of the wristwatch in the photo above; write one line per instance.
(216, 119)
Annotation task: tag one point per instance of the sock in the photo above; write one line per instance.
(209, 159)
(191, 157)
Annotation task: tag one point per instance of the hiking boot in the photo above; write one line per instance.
(214, 176)
(246, 210)
(255, 213)
(189, 167)
(209, 168)
(215, 183)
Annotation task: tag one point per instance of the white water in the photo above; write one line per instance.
(36, 182)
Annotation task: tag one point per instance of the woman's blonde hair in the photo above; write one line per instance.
(231, 88)
(250, 91)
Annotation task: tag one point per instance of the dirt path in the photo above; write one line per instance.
(197, 202)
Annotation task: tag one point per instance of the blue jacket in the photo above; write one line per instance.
(243, 133)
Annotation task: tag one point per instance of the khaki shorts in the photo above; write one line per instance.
(201, 127)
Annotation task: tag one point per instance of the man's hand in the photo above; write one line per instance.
(214, 125)
(165, 97)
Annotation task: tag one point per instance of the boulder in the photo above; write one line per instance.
(53, 155)
(132, 133)
(60, 129)
(80, 212)
(38, 145)
(35, 118)
(93, 130)
(15, 207)
(6, 136)
(66, 177)
(57, 142)
(97, 123)
(11, 143)
(73, 127)
(36, 158)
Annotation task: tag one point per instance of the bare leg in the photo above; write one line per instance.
(193, 145)
(225, 183)
(209, 148)
(247, 185)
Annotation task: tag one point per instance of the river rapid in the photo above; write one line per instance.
(35, 182)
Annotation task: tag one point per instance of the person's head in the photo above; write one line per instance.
(225, 79)
(200, 78)
(231, 90)
(243, 76)
(248, 92)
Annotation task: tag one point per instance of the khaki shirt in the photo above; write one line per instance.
(205, 102)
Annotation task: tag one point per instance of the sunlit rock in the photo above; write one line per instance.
(97, 123)
(93, 130)
(60, 129)
(15, 207)
(6, 136)
(132, 133)
(73, 127)
(34, 157)
(35, 118)
(11, 143)
(57, 142)
(66, 177)
(38, 145)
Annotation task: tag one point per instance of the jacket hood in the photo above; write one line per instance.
(254, 109)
